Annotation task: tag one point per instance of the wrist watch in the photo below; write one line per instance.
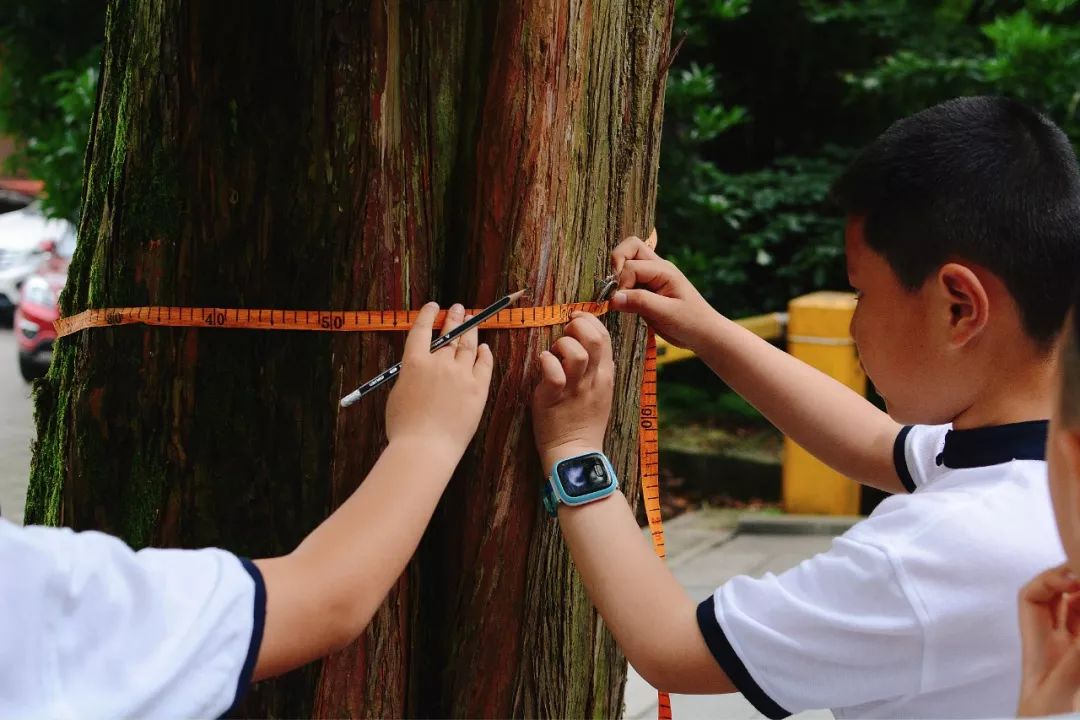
(578, 480)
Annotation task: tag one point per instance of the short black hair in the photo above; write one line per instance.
(983, 179)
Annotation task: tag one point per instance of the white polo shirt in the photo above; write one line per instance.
(91, 629)
(913, 612)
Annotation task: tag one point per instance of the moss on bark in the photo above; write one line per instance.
(344, 154)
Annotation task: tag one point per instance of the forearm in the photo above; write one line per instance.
(359, 552)
(650, 615)
(325, 592)
(829, 419)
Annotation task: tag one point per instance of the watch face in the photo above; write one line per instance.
(583, 475)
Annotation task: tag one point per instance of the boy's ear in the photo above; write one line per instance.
(967, 301)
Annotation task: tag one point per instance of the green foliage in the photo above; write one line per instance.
(684, 404)
(55, 152)
(1031, 53)
(749, 233)
(751, 259)
(690, 13)
(769, 99)
(49, 59)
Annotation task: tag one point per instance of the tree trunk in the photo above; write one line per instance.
(357, 155)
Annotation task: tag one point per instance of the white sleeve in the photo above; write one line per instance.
(835, 631)
(89, 628)
(916, 453)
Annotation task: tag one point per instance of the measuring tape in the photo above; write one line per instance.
(649, 452)
(313, 320)
(402, 320)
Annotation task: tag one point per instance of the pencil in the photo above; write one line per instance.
(441, 341)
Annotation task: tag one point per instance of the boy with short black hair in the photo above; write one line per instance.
(962, 240)
(90, 629)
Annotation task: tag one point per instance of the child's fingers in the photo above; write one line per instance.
(642, 302)
(1071, 623)
(654, 275)
(1048, 585)
(552, 378)
(632, 248)
(454, 317)
(418, 341)
(484, 364)
(466, 345)
(587, 329)
(574, 357)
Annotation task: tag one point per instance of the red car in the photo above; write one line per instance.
(37, 310)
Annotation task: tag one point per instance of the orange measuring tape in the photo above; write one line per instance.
(402, 320)
(314, 320)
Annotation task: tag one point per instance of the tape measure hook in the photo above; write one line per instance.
(606, 286)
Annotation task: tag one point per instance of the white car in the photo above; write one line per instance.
(26, 239)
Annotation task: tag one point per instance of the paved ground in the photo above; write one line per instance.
(703, 549)
(703, 553)
(16, 431)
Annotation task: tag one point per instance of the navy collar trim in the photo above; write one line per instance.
(980, 447)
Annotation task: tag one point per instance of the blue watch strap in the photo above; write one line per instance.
(552, 493)
(547, 497)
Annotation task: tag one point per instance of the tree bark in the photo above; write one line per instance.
(357, 155)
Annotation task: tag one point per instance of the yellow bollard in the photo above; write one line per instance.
(819, 335)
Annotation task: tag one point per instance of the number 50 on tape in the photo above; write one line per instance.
(401, 320)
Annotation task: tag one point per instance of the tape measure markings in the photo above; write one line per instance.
(649, 453)
(308, 320)
(391, 320)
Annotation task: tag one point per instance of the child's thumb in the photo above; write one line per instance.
(643, 302)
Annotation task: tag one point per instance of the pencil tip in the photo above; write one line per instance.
(514, 297)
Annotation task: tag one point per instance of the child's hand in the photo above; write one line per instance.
(1049, 620)
(656, 290)
(439, 396)
(571, 404)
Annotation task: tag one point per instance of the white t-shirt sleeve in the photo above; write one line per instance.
(835, 631)
(89, 628)
(916, 451)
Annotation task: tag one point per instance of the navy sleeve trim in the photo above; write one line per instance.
(731, 664)
(899, 456)
(257, 624)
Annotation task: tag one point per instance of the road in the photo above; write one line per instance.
(16, 431)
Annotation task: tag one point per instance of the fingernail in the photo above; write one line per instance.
(457, 308)
(619, 298)
(1070, 576)
(432, 304)
(468, 317)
